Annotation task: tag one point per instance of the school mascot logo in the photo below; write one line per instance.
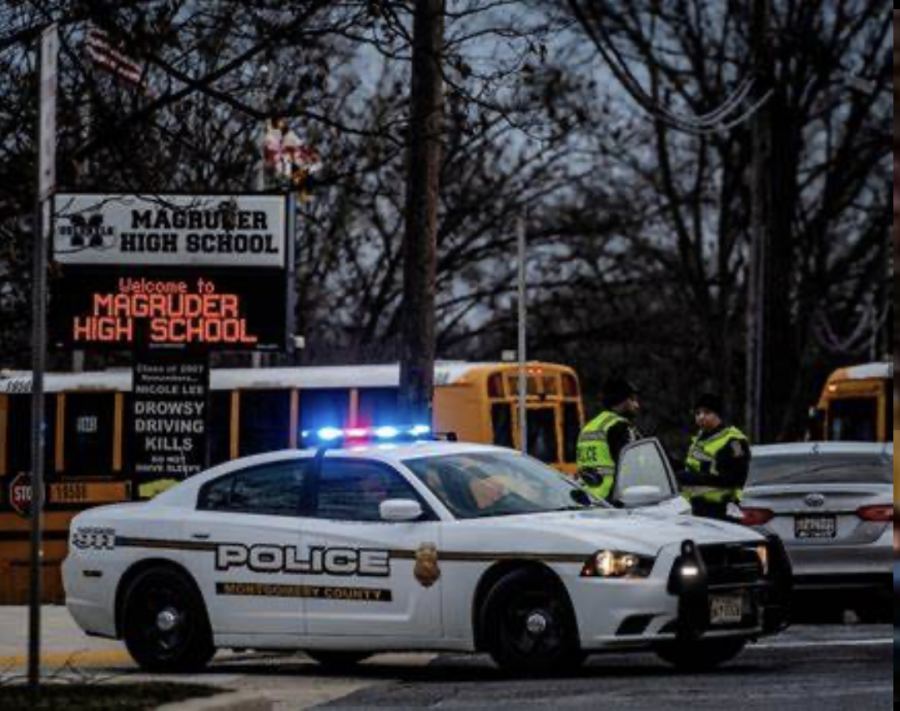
(426, 570)
(86, 232)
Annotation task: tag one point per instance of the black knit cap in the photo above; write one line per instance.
(616, 390)
(709, 401)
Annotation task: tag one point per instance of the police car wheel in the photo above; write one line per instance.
(337, 660)
(529, 627)
(164, 623)
(700, 655)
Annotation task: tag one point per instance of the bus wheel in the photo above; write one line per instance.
(337, 660)
(165, 624)
(529, 627)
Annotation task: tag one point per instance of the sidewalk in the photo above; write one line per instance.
(287, 681)
(62, 641)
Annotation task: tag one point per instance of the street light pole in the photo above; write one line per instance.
(523, 359)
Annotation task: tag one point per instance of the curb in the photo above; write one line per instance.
(237, 701)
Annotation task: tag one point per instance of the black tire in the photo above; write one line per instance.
(337, 660)
(529, 595)
(186, 646)
(700, 655)
(879, 616)
(876, 609)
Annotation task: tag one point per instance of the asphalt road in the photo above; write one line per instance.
(809, 667)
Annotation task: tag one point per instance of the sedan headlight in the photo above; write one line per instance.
(617, 564)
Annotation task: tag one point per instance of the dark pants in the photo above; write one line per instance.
(708, 509)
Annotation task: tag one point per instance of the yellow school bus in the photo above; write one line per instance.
(89, 453)
(856, 403)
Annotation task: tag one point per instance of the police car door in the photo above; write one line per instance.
(368, 581)
(644, 479)
(249, 548)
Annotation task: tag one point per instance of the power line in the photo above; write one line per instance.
(715, 121)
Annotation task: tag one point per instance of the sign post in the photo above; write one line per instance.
(45, 185)
(523, 319)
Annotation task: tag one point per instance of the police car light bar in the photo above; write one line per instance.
(338, 436)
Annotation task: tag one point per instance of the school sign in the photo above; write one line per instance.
(196, 272)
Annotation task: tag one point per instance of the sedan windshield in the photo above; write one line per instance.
(843, 468)
(482, 484)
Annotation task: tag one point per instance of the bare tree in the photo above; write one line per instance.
(830, 79)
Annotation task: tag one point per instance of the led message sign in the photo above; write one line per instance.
(224, 310)
(197, 272)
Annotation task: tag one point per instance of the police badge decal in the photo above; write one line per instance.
(426, 569)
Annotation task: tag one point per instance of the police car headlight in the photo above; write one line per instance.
(762, 551)
(617, 564)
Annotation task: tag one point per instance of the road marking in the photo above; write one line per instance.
(824, 643)
(118, 657)
(79, 659)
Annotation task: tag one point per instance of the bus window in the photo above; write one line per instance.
(219, 435)
(377, 406)
(265, 421)
(570, 385)
(324, 408)
(501, 420)
(542, 442)
(571, 430)
(18, 438)
(533, 385)
(88, 433)
(854, 419)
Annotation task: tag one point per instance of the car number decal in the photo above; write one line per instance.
(90, 538)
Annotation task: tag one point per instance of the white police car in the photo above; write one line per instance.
(420, 546)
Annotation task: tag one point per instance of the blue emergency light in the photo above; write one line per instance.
(340, 436)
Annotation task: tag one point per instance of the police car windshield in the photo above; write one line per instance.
(483, 484)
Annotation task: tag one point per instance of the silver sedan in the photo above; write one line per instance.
(832, 505)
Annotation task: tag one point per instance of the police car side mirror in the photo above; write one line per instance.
(400, 510)
(636, 496)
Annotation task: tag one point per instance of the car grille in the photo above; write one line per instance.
(731, 564)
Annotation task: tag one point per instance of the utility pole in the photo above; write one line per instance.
(422, 190)
(771, 352)
(762, 148)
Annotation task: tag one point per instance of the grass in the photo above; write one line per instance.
(93, 697)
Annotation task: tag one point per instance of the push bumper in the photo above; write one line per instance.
(699, 582)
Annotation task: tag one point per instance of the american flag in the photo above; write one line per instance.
(105, 55)
(286, 155)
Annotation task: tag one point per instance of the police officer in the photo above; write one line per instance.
(717, 461)
(604, 437)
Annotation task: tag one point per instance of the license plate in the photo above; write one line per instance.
(725, 609)
(815, 527)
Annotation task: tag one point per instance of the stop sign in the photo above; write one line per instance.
(20, 493)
